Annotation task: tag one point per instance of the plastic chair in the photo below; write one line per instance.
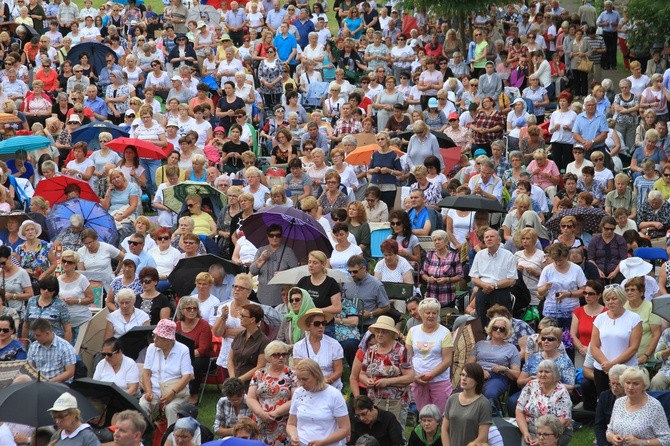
(376, 238)
(654, 255)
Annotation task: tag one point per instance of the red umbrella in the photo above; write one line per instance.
(451, 157)
(53, 189)
(145, 149)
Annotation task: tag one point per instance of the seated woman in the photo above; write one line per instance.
(127, 280)
(186, 226)
(191, 324)
(34, 254)
(499, 358)
(165, 255)
(544, 395)
(126, 317)
(10, 348)
(326, 351)
(96, 255)
(117, 367)
(343, 249)
(653, 217)
(203, 223)
(122, 201)
(637, 417)
(48, 306)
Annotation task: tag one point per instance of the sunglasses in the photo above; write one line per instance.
(279, 355)
(238, 287)
(5, 330)
(190, 205)
(499, 329)
(396, 223)
(319, 324)
(51, 290)
(608, 228)
(189, 243)
(567, 226)
(295, 300)
(67, 262)
(163, 237)
(109, 354)
(275, 235)
(134, 243)
(548, 338)
(590, 293)
(190, 308)
(147, 281)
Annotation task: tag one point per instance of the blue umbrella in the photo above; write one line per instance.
(96, 54)
(89, 133)
(211, 82)
(95, 217)
(28, 143)
(233, 441)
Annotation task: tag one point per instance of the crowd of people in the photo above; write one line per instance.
(265, 101)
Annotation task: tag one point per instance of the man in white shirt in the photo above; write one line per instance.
(493, 272)
(88, 10)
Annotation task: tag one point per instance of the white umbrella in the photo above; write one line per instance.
(293, 275)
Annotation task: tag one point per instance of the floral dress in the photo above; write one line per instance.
(377, 365)
(271, 393)
(534, 403)
(270, 72)
(344, 332)
(34, 260)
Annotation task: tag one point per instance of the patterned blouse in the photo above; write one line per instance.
(646, 213)
(32, 259)
(344, 332)
(534, 403)
(271, 393)
(270, 73)
(114, 92)
(432, 194)
(648, 422)
(389, 365)
(449, 266)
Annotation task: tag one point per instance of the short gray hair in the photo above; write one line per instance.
(635, 373)
(655, 195)
(552, 422)
(590, 98)
(439, 234)
(275, 347)
(429, 303)
(349, 139)
(77, 220)
(124, 294)
(430, 411)
(549, 364)
(617, 370)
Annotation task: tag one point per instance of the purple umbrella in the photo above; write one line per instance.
(300, 231)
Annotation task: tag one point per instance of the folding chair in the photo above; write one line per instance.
(214, 374)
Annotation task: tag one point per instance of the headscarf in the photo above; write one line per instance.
(307, 304)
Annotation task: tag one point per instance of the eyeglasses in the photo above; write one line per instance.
(109, 354)
(319, 324)
(666, 175)
(545, 434)
(595, 160)
(64, 262)
(189, 243)
(590, 293)
(238, 287)
(147, 281)
(354, 271)
(190, 205)
(190, 308)
(567, 226)
(499, 329)
(274, 235)
(163, 237)
(78, 71)
(608, 228)
(5, 330)
(396, 223)
(279, 355)
(295, 300)
(548, 338)
(134, 243)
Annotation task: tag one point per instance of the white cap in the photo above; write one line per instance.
(176, 78)
(74, 118)
(172, 123)
(130, 111)
(64, 402)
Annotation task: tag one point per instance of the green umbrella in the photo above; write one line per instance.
(174, 197)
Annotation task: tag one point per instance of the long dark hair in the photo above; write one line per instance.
(406, 226)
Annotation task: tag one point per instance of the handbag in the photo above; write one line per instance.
(585, 65)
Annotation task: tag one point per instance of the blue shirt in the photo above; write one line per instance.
(30, 171)
(612, 17)
(418, 220)
(285, 45)
(590, 128)
(51, 360)
(97, 105)
(275, 18)
(303, 31)
(235, 18)
(141, 261)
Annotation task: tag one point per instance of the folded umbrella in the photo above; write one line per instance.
(293, 275)
(300, 231)
(95, 217)
(145, 149)
(28, 403)
(660, 306)
(361, 156)
(27, 143)
(53, 189)
(183, 275)
(89, 133)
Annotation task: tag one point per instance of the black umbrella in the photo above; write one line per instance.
(183, 275)
(111, 396)
(442, 139)
(589, 217)
(471, 203)
(28, 403)
(96, 52)
(138, 338)
(32, 32)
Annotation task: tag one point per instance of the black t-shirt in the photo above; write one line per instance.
(157, 303)
(229, 147)
(320, 294)
(225, 106)
(367, 18)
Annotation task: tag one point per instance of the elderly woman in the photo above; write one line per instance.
(655, 97)
(10, 348)
(122, 201)
(191, 324)
(561, 284)
(127, 279)
(499, 358)
(568, 228)
(261, 193)
(75, 291)
(637, 418)
(37, 104)
(96, 255)
(545, 173)
(35, 256)
(186, 226)
(487, 126)
(167, 372)
(332, 196)
(246, 353)
(606, 402)
(385, 167)
(441, 270)
(542, 396)
(550, 340)
(269, 260)
(536, 94)
(607, 249)
(204, 224)
(421, 145)
(270, 393)
(117, 367)
(651, 323)
(428, 431)
(467, 416)
(433, 345)
(616, 336)
(653, 217)
(117, 96)
(318, 411)
(207, 302)
(48, 306)
(120, 321)
(521, 205)
(165, 255)
(67, 418)
(386, 370)
(648, 149)
(326, 351)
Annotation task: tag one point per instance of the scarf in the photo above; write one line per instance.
(306, 304)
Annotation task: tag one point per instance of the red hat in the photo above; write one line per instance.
(453, 115)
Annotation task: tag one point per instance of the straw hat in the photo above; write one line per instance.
(385, 323)
(302, 322)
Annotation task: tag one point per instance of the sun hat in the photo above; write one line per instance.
(432, 103)
(224, 37)
(302, 322)
(479, 152)
(64, 402)
(634, 267)
(385, 323)
(166, 329)
(201, 24)
(38, 227)
(74, 118)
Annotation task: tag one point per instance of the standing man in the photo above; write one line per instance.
(587, 14)
(609, 21)
(68, 13)
(287, 46)
(304, 26)
(236, 20)
(275, 17)
(590, 128)
(493, 272)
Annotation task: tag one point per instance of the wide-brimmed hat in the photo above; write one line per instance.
(180, 36)
(38, 228)
(385, 323)
(64, 402)
(634, 267)
(166, 329)
(302, 322)
(224, 37)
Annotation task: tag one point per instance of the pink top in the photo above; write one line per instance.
(539, 179)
